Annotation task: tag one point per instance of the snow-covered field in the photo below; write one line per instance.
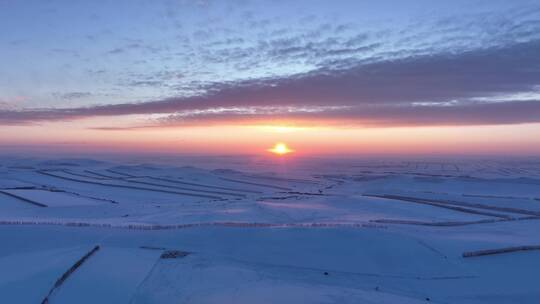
(254, 230)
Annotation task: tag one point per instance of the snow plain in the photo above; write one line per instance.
(254, 230)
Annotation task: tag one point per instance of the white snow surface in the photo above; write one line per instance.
(254, 230)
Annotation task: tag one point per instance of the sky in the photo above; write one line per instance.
(235, 77)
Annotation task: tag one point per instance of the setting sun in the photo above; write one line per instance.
(280, 149)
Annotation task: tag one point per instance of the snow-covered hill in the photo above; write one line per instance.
(304, 231)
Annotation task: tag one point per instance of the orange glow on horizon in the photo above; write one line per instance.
(280, 149)
(82, 136)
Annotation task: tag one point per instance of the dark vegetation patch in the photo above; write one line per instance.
(173, 254)
(69, 272)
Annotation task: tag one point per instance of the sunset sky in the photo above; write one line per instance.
(235, 77)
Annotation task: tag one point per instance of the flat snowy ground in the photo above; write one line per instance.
(232, 230)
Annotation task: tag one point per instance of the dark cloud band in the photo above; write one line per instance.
(446, 85)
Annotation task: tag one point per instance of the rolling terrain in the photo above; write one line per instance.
(303, 231)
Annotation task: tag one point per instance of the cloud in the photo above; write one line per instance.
(158, 79)
(238, 50)
(373, 116)
(4, 105)
(446, 88)
(116, 51)
(467, 69)
(72, 95)
(12, 103)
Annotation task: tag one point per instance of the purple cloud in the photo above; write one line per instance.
(436, 89)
